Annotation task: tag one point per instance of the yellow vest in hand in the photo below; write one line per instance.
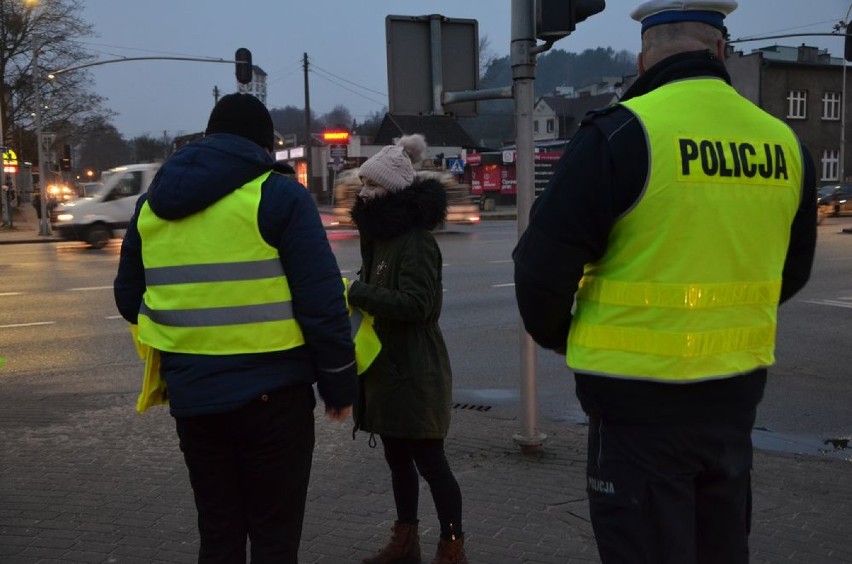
(367, 343)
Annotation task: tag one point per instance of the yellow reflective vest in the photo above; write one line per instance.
(367, 343)
(213, 285)
(688, 288)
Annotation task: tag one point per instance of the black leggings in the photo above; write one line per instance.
(407, 457)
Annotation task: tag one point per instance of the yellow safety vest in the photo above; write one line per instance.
(367, 343)
(688, 288)
(213, 285)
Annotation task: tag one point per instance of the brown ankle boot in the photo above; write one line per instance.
(450, 552)
(403, 546)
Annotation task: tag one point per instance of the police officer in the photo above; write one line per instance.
(674, 225)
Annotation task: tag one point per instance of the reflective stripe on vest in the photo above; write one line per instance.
(213, 285)
(689, 285)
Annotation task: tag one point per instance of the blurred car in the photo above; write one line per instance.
(61, 192)
(461, 207)
(835, 199)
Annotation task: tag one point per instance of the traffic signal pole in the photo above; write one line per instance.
(549, 20)
(522, 58)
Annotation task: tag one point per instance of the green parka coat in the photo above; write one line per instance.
(407, 391)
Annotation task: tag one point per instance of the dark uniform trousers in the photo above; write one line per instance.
(249, 471)
(672, 486)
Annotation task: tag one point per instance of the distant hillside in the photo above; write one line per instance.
(553, 69)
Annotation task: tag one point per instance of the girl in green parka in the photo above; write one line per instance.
(406, 393)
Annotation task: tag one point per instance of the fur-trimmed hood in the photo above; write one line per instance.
(423, 205)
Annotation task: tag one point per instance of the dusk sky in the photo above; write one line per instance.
(345, 43)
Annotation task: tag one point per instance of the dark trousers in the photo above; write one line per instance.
(672, 491)
(407, 457)
(249, 471)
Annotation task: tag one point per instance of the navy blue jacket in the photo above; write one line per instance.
(195, 177)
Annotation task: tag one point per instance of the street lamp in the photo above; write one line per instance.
(844, 25)
(44, 222)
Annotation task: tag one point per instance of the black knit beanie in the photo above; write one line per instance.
(243, 115)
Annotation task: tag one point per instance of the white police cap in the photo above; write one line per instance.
(710, 12)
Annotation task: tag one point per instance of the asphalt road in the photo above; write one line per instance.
(60, 332)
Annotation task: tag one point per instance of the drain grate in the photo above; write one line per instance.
(837, 444)
(471, 406)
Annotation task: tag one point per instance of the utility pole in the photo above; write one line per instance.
(308, 144)
(44, 223)
(215, 95)
(522, 57)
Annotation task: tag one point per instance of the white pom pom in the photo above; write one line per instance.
(413, 145)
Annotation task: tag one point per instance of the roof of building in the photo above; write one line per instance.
(580, 106)
(442, 131)
(801, 54)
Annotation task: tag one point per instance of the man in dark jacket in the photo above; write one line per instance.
(655, 260)
(227, 270)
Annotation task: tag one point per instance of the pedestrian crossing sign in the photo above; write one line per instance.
(456, 166)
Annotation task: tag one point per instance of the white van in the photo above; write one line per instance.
(104, 213)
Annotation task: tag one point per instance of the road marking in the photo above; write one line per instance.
(499, 261)
(113, 317)
(834, 303)
(90, 289)
(27, 324)
(502, 285)
(11, 293)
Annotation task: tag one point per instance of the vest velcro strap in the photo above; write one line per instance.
(216, 272)
(686, 296)
(355, 319)
(682, 345)
(218, 316)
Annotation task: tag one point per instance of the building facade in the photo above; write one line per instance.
(804, 87)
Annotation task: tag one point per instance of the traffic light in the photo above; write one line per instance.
(244, 66)
(554, 19)
(65, 161)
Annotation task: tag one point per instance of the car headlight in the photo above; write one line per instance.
(65, 217)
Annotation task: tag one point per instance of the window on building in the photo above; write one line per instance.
(797, 104)
(831, 106)
(550, 126)
(535, 126)
(830, 164)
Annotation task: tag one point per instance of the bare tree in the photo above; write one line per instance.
(102, 147)
(50, 27)
(486, 54)
(339, 116)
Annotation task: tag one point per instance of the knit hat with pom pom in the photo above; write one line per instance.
(393, 166)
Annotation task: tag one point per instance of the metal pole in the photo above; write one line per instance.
(523, 77)
(5, 204)
(308, 144)
(843, 127)
(44, 222)
(437, 70)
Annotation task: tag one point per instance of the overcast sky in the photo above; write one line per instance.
(345, 43)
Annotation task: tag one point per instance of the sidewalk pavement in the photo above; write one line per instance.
(25, 227)
(83, 478)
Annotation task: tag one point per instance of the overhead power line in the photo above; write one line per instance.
(339, 85)
(348, 81)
